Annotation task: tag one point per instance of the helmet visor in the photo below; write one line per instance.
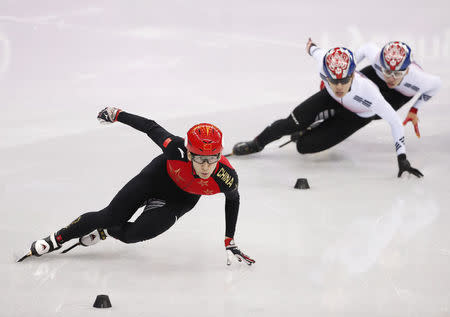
(395, 73)
(342, 81)
(210, 159)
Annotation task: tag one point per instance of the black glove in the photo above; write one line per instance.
(234, 252)
(405, 166)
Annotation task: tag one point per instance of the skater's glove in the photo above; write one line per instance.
(405, 166)
(309, 44)
(412, 116)
(108, 115)
(234, 252)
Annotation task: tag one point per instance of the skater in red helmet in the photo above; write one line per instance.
(167, 188)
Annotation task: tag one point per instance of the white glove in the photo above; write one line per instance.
(234, 252)
(108, 115)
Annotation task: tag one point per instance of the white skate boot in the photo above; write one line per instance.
(43, 246)
(89, 239)
(93, 237)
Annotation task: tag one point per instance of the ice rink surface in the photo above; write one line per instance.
(360, 242)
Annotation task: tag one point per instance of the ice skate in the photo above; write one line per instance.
(89, 239)
(93, 237)
(43, 246)
(245, 148)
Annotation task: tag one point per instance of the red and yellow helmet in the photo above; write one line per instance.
(204, 139)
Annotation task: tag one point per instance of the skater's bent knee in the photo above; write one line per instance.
(301, 149)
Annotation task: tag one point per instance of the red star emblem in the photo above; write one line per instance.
(208, 192)
(176, 173)
(203, 183)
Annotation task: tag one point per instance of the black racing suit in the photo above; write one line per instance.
(154, 188)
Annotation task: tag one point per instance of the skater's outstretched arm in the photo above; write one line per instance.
(158, 134)
(231, 214)
(315, 51)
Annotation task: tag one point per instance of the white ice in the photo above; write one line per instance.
(360, 242)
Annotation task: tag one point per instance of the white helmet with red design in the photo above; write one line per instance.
(339, 63)
(395, 56)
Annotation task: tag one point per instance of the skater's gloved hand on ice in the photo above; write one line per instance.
(108, 115)
(405, 166)
(233, 252)
(412, 116)
(309, 44)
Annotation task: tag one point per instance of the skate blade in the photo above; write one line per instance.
(25, 256)
(70, 248)
(284, 144)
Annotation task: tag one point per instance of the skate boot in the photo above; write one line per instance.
(43, 246)
(89, 239)
(93, 237)
(245, 148)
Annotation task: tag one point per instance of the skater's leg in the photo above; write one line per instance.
(153, 221)
(301, 118)
(331, 132)
(122, 207)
